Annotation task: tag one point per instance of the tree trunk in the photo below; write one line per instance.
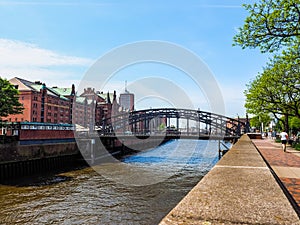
(286, 123)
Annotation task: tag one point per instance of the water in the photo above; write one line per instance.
(85, 197)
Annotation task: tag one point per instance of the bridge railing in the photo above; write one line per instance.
(140, 121)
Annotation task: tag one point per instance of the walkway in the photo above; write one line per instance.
(240, 189)
(286, 166)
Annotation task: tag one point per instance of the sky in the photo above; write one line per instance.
(57, 42)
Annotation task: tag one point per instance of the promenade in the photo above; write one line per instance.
(285, 165)
(252, 184)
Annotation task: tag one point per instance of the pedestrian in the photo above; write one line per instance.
(284, 137)
(273, 135)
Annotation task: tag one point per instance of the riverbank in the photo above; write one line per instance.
(87, 197)
(240, 189)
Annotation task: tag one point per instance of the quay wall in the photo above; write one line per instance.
(29, 155)
(94, 148)
(19, 169)
(11, 152)
(240, 189)
(19, 159)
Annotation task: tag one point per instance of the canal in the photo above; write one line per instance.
(100, 196)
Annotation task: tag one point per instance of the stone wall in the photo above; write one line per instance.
(15, 152)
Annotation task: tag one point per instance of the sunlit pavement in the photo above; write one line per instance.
(240, 189)
(286, 165)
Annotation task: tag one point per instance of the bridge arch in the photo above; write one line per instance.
(139, 122)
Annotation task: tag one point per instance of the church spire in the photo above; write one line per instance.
(126, 91)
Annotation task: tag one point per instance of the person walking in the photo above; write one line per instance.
(284, 138)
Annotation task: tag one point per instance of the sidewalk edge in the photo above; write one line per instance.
(282, 186)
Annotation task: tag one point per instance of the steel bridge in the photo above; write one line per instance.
(167, 121)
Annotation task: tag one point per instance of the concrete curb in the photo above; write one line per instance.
(240, 189)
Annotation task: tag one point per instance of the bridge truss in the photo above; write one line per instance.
(148, 121)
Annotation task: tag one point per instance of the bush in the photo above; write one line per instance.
(277, 140)
(297, 146)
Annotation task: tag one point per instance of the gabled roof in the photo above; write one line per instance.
(25, 85)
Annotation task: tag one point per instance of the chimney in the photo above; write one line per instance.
(73, 90)
(108, 98)
(115, 96)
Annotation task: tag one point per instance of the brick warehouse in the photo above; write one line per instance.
(58, 105)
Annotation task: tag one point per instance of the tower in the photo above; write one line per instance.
(127, 99)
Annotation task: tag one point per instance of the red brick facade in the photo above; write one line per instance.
(45, 134)
(61, 105)
(41, 104)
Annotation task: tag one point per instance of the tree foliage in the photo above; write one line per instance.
(270, 25)
(294, 124)
(9, 100)
(256, 121)
(274, 91)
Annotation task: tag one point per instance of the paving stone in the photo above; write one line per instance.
(286, 165)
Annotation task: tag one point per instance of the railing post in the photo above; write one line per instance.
(219, 148)
(187, 127)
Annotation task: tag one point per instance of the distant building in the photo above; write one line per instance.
(127, 100)
(61, 105)
(41, 103)
(91, 107)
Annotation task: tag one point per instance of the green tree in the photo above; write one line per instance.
(257, 121)
(9, 99)
(273, 91)
(294, 124)
(270, 25)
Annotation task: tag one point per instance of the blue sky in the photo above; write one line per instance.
(57, 41)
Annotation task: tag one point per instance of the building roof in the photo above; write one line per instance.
(63, 91)
(104, 96)
(82, 100)
(25, 85)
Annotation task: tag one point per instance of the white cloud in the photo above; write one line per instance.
(16, 53)
(29, 61)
